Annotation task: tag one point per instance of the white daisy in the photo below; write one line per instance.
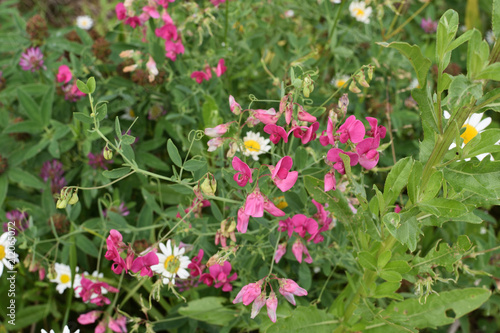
(360, 12)
(7, 256)
(254, 145)
(335, 1)
(414, 84)
(84, 22)
(490, 37)
(63, 278)
(65, 330)
(474, 125)
(340, 81)
(171, 263)
(128, 115)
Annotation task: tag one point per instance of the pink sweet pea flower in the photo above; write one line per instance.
(276, 133)
(245, 172)
(304, 133)
(249, 293)
(254, 204)
(172, 49)
(286, 106)
(217, 131)
(208, 71)
(272, 305)
(302, 115)
(303, 224)
(242, 221)
(164, 3)
(233, 106)
(220, 275)
(151, 11)
(367, 151)
(64, 74)
(288, 288)
(272, 209)
(299, 248)
(329, 138)
(195, 266)
(216, 3)
(286, 225)
(121, 11)
(281, 176)
(199, 76)
(280, 252)
(333, 155)
(397, 209)
(133, 21)
(118, 325)
(144, 264)
(259, 302)
(376, 131)
(265, 116)
(330, 181)
(352, 129)
(214, 143)
(89, 317)
(322, 215)
(101, 327)
(221, 69)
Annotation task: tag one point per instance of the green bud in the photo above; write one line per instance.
(108, 153)
(354, 88)
(61, 204)
(74, 199)
(209, 185)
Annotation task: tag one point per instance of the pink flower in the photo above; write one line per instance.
(306, 134)
(299, 248)
(429, 26)
(208, 71)
(330, 181)
(288, 288)
(32, 60)
(173, 49)
(352, 129)
(214, 143)
(265, 116)
(195, 266)
(272, 305)
(71, 92)
(286, 106)
(101, 327)
(259, 302)
(242, 221)
(245, 172)
(118, 325)
(249, 293)
(164, 3)
(121, 11)
(333, 155)
(233, 106)
(254, 204)
(64, 74)
(144, 264)
(151, 11)
(303, 224)
(220, 275)
(217, 131)
(276, 133)
(397, 209)
(272, 209)
(133, 21)
(280, 252)
(329, 138)
(375, 130)
(89, 317)
(367, 151)
(302, 115)
(91, 290)
(217, 2)
(199, 76)
(221, 69)
(281, 175)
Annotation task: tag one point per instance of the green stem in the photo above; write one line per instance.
(332, 30)
(407, 21)
(274, 254)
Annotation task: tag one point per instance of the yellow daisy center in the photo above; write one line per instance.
(359, 12)
(252, 145)
(131, 113)
(65, 278)
(2, 252)
(172, 264)
(469, 134)
(340, 83)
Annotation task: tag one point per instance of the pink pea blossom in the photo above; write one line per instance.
(233, 106)
(306, 134)
(254, 204)
(89, 317)
(118, 325)
(330, 181)
(215, 143)
(133, 21)
(195, 266)
(151, 11)
(144, 263)
(286, 225)
(221, 69)
(298, 249)
(288, 288)
(281, 174)
(329, 138)
(121, 11)
(32, 59)
(93, 290)
(302, 115)
(164, 3)
(219, 274)
(217, 131)
(376, 131)
(280, 252)
(286, 106)
(199, 76)
(276, 133)
(303, 224)
(173, 48)
(397, 209)
(71, 92)
(271, 208)
(259, 302)
(367, 151)
(352, 129)
(272, 305)
(245, 172)
(249, 293)
(168, 31)
(64, 74)
(265, 116)
(242, 221)
(333, 155)
(428, 25)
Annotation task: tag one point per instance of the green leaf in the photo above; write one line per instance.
(82, 87)
(305, 276)
(305, 319)
(4, 186)
(443, 255)
(26, 316)
(90, 85)
(397, 180)
(367, 260)
(423, 97)
(443, 207)
(24, 178)
(495, 17)
(102, 111)
(462, 91)
(391, 276)
(173, 153)
(460, 40)
(83, 117)
(446, 31)
(337, 203)
(86, 245)
(433, 186)
(399, 266)
(31, 108)
(477, 55)
(491, 72)
(128, 139)
(483, 143)
(193, 165)
(388, 289)
(27, 126)
(210, 112)
(116, 173)
(384, 258)
(46, 106)
(210, 310)
(483, 179)
(403, 227)
(420, 63)
(433, 313)
(116, 221)
(151, 201)
(128, 152)
(118, 129)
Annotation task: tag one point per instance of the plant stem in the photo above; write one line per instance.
(407, 21)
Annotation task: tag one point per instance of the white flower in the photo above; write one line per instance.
(84, 22)
(474, 125)
(7, 256)
(65, 330)
(360, 12)
(254, 145)
(414, 84)
(289, 13)
(152, 69)
(171, 263)
(340, 81)
(128, 115)
(483, 231)
(63, 278)
(335, 1)
(490, 37)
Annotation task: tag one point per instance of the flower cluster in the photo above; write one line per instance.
(68, 84)
(206, 75)
(118, 325)
(32, 60)
(136, 57)
(53, 171)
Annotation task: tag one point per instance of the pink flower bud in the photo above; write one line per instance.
(272, 305)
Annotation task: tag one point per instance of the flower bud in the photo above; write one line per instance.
(107, 153)
(354, 88)
(307, 86)
(61, 204)
(74, 198)
(209, 185)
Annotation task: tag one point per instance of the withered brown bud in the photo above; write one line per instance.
(101, 49)
(36, 27)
